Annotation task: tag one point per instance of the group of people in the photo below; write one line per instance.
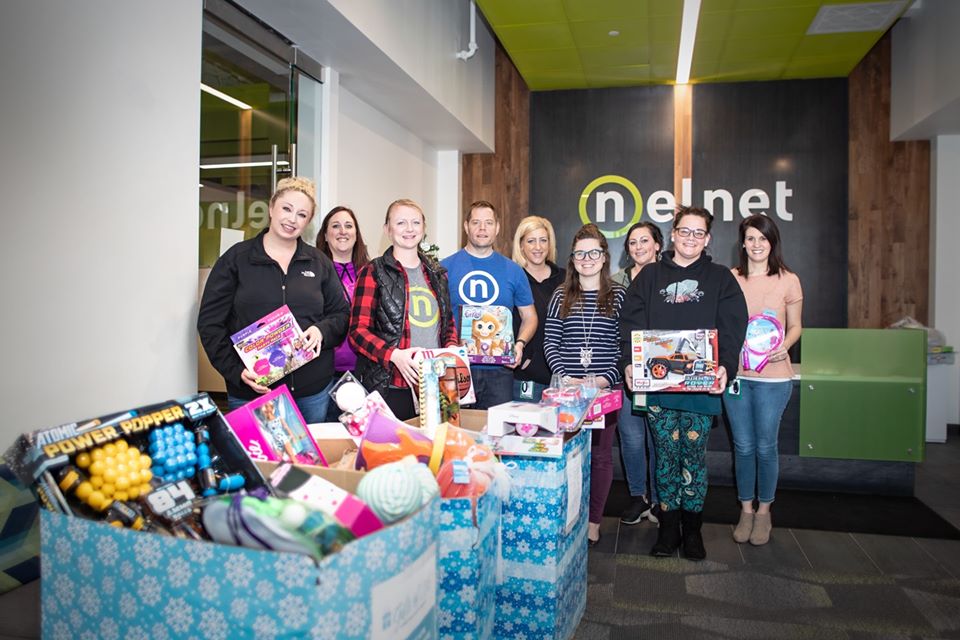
(372, 316)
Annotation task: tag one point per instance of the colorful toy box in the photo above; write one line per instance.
(674, 360)
(607, 401)
(503, 419)
(542, 582)
(104, 582)
(487, 333)
(272, 346)
(272, 428)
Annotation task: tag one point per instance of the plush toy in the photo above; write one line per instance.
(485, 330)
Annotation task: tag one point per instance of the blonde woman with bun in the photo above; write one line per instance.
(256, 277)
(535, 249)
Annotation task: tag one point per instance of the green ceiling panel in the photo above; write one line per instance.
(565, 44)
(548, 60)
(581, 10)
(499, 13)
(529, 37)
(773, 22)
(597, 33)
(613, 56)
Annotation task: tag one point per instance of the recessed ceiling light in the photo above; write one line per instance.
(613, 33)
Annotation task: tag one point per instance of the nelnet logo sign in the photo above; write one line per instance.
(615, 203)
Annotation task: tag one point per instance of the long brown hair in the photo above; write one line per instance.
(572, 292)
(359, 257)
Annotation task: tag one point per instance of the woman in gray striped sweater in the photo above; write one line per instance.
(582, 339)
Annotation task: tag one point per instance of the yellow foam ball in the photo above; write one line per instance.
(94, 499)
(134, 492)
(83, 460)
(121, 496)
(145, 462)
(97, 467)
(97, 454)
(110, 475)
(121, 482)
(133, 455)
(84, 490)
(146, 475)
(122, 445)
(110, 449)
(107, 489)
(96, 481)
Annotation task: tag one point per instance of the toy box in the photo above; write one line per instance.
(542, 584)
(145, 468)
(504, 419)
(487, 333)
(550, 446)
(674, 360)
(469, 540)
(271, 347)
(103, 582)
(271, 428)
(607, 401)
(462, 367)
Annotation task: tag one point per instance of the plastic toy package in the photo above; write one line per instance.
(684, 360)
(271, 428)
(271, 347)
(148, 468)
(487, 334)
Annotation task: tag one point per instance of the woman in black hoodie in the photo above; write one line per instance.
(685, 290)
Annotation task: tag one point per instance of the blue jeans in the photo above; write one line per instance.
(754, 418)
(636, 444)
(493, 385)
(312, 408)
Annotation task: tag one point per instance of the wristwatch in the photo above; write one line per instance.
(519, 340)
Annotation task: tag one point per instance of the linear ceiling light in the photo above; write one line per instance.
(225, 97)
(241, 165)
(688, 36)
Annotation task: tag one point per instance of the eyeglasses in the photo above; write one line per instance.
(593, 254)
(686, 232)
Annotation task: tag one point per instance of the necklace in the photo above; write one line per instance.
(586, 352)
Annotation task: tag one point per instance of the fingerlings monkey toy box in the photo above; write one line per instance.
(683, 360)
(487, 333)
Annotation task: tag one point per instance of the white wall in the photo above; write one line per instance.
(925, 72)
(945, 231)
(100, 115)
(379, 161)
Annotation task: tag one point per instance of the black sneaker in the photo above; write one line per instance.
(637, 511)
(654, 515)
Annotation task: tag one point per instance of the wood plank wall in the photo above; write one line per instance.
(889, 215)
(503, 178)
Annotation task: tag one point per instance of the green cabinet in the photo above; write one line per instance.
(863, 394)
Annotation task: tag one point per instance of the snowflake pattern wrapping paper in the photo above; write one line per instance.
(103, 583)
(542, 568)
(468, 567)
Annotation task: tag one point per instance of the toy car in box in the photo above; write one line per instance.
(145, 468)
(682, 360)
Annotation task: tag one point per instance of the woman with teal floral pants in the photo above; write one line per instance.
(685, 290)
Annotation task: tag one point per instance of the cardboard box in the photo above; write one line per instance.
(503, 418)
(542, 584)
(674, 360)
(104, 582)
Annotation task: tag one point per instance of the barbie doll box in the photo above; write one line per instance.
(272, 346)
(271, 429)
(684, 360)
(487, 333)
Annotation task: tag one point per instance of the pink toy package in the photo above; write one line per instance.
(487, 333)
(270, 428)
(271, 347)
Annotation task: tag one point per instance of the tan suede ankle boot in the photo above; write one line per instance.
(744, 527)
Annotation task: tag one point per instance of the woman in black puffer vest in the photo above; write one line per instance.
(401, 305)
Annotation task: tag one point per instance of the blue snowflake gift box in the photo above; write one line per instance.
(102, 583)
(468, 567)
(542, 569)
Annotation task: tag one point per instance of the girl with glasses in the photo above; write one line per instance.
(685, 290)
(642, 244)
(770, 288)
(581, 340)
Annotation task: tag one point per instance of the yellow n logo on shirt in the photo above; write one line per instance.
(423, 308)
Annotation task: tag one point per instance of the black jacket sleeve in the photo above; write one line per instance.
(731, 322)
(633, 315)
(213, 321)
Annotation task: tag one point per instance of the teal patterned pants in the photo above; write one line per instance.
(680, 438)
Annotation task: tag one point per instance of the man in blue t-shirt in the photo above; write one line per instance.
(481, 276)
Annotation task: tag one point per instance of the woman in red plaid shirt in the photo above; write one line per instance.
(401, 306)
